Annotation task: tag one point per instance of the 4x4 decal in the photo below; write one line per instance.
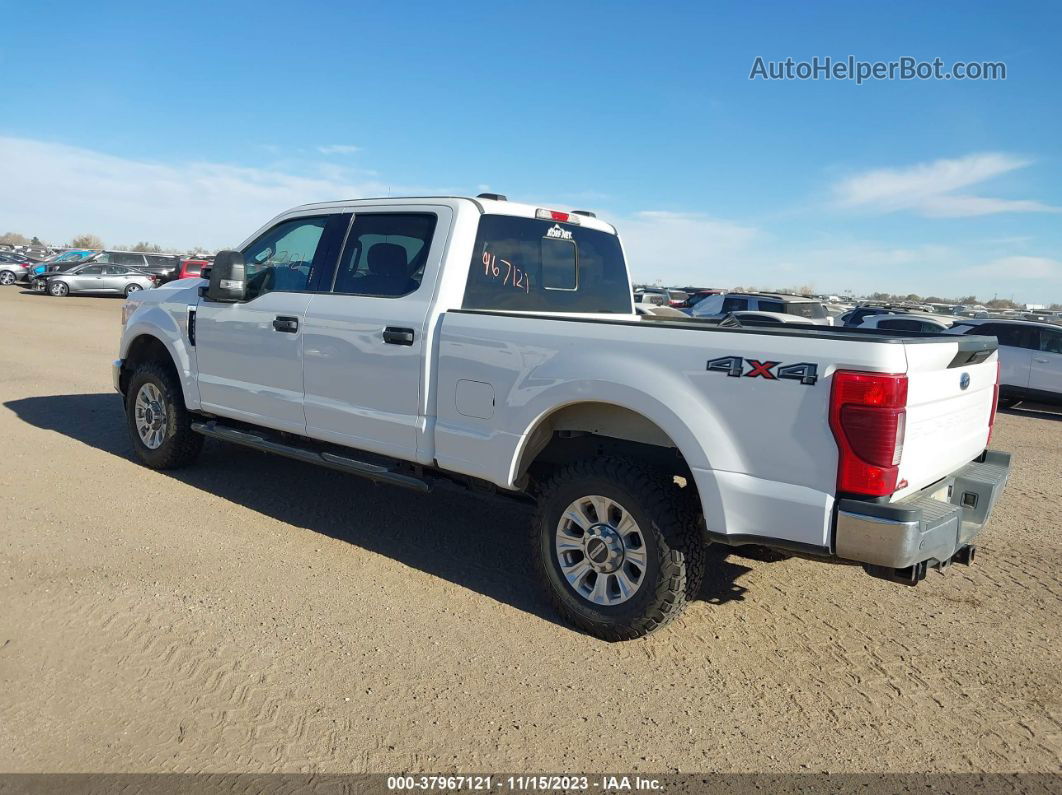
(806, 373)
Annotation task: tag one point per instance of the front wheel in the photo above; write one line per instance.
(616, 547)
(160, 426)
(59, 289)
(7, 277)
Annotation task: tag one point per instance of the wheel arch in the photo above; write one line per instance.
(581, 428)
(145, 347)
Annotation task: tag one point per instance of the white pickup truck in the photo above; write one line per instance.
(423, 342)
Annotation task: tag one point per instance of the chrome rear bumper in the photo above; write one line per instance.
(899, 540)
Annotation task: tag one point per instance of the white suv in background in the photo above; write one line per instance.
(808, 310)
(1030, 357)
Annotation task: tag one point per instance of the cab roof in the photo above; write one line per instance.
(485, 206)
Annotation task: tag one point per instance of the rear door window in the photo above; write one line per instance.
(527, 264)
(1011, 335)
(1050, 341)
(131, 260)
(901, 324)
(385, 254)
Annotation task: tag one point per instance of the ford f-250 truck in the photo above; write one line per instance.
(428, 341)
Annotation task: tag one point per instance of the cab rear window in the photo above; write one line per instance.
(526, 264)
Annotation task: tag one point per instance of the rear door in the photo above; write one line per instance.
(250, 354)
(366, 358)
(115, 277)
(1016, 345)
(1046, 371)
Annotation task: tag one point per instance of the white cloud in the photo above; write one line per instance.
(685, 248)
(57, 191)
(1019, 268)
(338, 149)
(931, 189)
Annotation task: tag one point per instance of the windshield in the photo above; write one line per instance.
(525, 264)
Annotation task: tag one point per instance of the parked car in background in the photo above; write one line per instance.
(98, 277)
(12, 270)
(807, 309)
(1030, 358)
(697, 296)
(856, 316)
(907, 322)
(651, 296)
(18, 257)
(668, 312)
(192, 267)
(660, 296)
(1038, 317)
(58, 264)
(165, 266)
(770, 318)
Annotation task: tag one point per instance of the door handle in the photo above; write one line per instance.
(1041, 361)
(393, 335)
(288, 325)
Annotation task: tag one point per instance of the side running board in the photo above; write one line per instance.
(341, 463)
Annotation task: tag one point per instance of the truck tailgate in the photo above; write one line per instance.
(949, 406)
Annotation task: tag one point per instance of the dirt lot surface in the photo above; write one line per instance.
(257, 614)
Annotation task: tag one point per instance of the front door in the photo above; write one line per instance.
(365, 343)
(250, 354)
(88, 279)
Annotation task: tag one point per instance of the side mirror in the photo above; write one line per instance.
(227, 278)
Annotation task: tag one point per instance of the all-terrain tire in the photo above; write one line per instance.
(673, 542)
(180, 445)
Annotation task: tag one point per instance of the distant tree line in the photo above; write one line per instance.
(93, 242)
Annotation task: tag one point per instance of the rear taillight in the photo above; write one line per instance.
(867, 416)
(995, 405)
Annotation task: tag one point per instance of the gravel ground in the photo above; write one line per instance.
(257, 614)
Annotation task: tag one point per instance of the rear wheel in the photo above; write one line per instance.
(132, 288)
(160, 426)
(59, 289)
(7, 277)
(616, 547)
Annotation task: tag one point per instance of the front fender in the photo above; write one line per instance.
(169, 327)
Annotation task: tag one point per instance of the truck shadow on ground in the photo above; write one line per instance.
(476, 542)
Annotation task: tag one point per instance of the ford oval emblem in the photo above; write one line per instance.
(964, 380)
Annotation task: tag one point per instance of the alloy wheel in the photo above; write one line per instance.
(601, 550)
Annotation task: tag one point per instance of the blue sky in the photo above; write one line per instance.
(192, 125)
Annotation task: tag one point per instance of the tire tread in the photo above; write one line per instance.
(680, 545)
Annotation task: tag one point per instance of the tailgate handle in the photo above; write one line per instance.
(398, 336)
